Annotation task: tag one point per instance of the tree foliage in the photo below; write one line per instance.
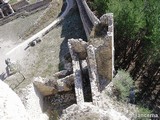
(137, 41)
(135, 19)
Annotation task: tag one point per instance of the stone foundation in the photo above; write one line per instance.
(5, 9)
(92, 63)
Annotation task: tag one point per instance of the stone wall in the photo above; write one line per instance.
(76, 71)
(91, 15)
(87, 17)
(100, 34)
(11, 17)
(20, 4)
(25, 11)
(34, 6)
(98, 52)
(5, 9)
(87, 24)
(103, 41)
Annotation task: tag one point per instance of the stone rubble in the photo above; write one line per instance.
(49, 87)
(94, 59)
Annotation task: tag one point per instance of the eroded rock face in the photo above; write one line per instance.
(11, 107)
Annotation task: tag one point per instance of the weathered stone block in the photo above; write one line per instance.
(79, 46)
(93, 75)
(44, 89)
(65, 84)
(76, 72)
(104, 60)
(50, 87)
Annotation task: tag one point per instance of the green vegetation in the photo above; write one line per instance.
(12, 1)
(141, 111)
(134, 19)
(15, 1)
(100, 5)
(137, 41)
(122, 85)
(32, 1)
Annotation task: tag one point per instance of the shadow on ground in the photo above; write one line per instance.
(63, 8)
(72, 27)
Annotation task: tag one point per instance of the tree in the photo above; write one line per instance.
(137, 40)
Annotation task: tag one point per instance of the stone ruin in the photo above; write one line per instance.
(20, 8)
(5, 9)
(89, 67)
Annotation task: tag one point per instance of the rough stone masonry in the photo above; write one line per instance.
(5, 9)
(94, 59)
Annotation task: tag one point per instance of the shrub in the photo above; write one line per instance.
(122, 84)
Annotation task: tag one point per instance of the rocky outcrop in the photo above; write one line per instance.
(11, 107)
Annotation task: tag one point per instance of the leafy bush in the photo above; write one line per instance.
(122, 84)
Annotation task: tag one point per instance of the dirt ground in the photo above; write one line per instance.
(44, 59)
(11, 33)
